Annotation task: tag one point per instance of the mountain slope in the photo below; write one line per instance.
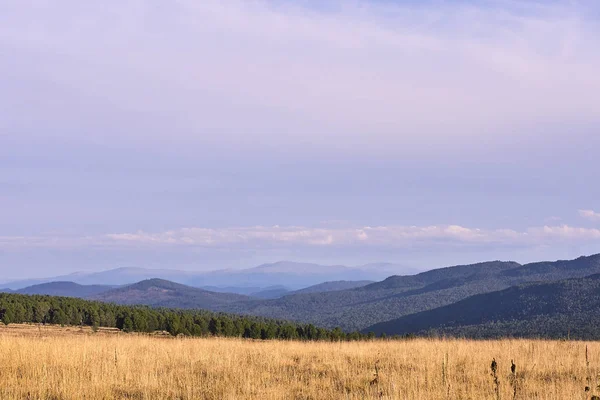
(162, 293)
(397, 296)
(333, 286)
(270, 292)
(65, 289)
(556, 309)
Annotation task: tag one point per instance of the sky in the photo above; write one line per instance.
(224, 133)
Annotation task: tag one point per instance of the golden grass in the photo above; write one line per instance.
(56, 363)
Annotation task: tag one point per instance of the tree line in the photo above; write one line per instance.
(42, 309)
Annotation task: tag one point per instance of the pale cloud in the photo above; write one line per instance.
(590, 214)
(565, 232)
(265, 237)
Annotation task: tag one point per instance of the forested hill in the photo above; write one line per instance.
(162, 293)
(398, 296)
(566, 308)
(16, 308)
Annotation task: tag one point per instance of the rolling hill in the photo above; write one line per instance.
(162, 293)
(566, 308)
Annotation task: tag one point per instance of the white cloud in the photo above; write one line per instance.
(273, 237)
(389, 236)
(590, 214)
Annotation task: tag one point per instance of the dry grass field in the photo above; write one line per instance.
(73, 363)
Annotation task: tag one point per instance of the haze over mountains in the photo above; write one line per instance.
(163, 293)
(67, 289)
(287, 274)
(480, 300)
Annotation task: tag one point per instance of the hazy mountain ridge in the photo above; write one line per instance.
(289, 274)
(65, 289)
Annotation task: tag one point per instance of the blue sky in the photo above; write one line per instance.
(201, 135)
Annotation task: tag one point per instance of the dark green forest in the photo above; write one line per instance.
(551, 310)
(41, 309)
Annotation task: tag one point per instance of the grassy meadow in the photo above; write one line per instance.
(76, 363)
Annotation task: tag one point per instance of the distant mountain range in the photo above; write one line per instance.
(287, 274)
(481, 300)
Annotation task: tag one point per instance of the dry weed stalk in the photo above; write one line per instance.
(375, 380)
(588, 377)
(513, 378)
(494, 368)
